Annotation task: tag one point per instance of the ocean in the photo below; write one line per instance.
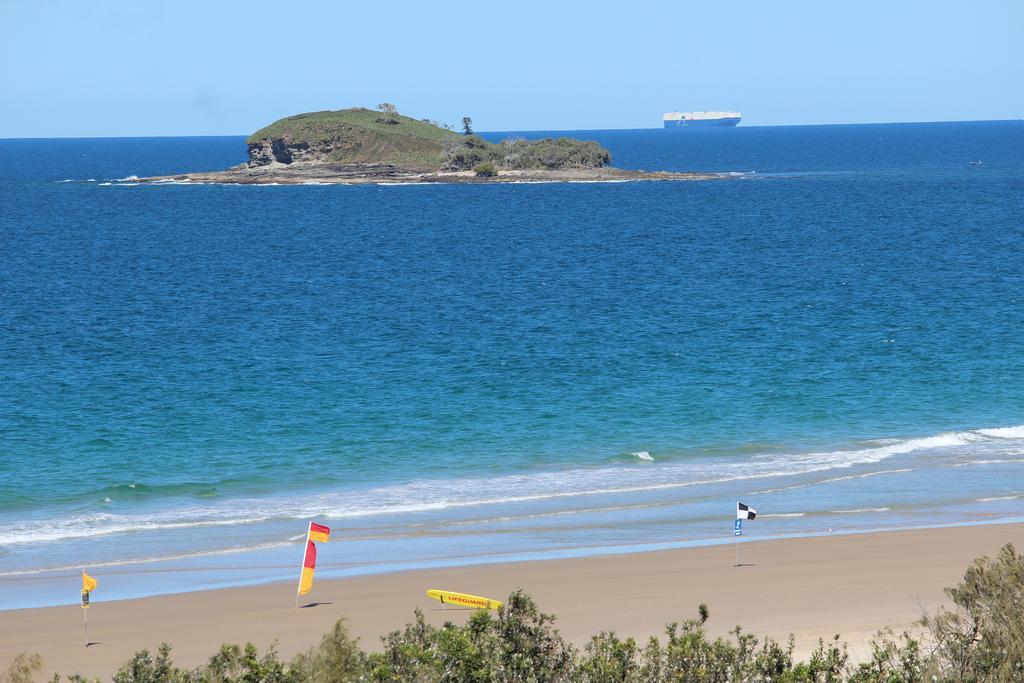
(832, 333)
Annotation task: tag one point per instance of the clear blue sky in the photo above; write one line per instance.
(187, 67)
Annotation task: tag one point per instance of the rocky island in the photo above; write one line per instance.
(353, 146)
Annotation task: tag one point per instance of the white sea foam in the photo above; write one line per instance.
(150, 559)
(995, 498)
(411, 500)
(831, 480)
(987, 462)
(546, 515)
(126, 179)
(853, 511)
(780, 489)
(1004, 432)
(642, 455)
(865, 475)
(91, 526)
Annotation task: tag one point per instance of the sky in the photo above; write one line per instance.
(71, 68)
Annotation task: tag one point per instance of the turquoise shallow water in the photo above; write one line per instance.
(832, 334)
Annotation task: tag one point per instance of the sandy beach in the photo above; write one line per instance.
(811, 587)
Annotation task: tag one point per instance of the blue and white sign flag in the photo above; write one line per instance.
(737, 527)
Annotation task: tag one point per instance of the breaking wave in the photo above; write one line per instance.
(425, 496)
(1004, 432)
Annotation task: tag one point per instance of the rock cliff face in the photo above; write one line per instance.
(282, 150)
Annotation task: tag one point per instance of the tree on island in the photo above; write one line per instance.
(467, 125)
(390, 111)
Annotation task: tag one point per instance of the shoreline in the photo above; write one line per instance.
(618, 508)
(138, 572)
(316, 173)
(853, 584)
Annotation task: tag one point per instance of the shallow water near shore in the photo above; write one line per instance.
(448, 373)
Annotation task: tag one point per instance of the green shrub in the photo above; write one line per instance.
(485, 170)
(982, 637)
(246, 665)
(530, 649)
(337, 658)
(23, 669)
(608, 659)
(409, 655)
(689, 655)
(462, 154)
(469, 151)
(559, 153)
(145, 668)
(892, 661)
(826, 665)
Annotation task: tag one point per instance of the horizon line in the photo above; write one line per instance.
(536, 130)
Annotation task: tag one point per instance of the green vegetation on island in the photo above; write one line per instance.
(350, 136)
(981, 638)
(365, 136)
(520, 154)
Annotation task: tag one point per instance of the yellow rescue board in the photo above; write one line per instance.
(463, 600)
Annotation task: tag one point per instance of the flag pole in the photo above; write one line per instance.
(85, 611)
(737, 529)
(305, 545)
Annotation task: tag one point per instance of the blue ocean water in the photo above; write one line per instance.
(833, 333)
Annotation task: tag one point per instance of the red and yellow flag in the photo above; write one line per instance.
(318, 532)
(308, 565)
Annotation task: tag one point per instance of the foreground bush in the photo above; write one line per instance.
(23, 669)
(980, 639)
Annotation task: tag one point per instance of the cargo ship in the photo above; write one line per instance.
(690, 119)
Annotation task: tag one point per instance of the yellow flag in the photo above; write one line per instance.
(88, 583)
